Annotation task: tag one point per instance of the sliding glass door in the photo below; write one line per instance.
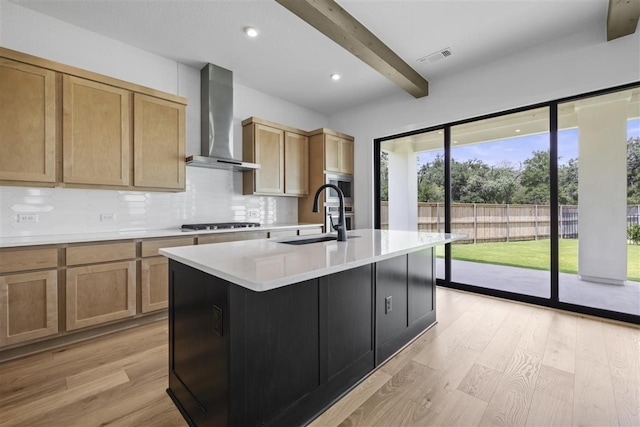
(500, 200)
(412, 185)
(599, 201)
(548, 198)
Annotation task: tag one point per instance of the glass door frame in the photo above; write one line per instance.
(553, 301)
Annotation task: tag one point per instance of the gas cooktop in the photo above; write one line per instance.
(219, 226)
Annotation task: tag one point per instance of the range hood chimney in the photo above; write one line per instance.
(216, 111)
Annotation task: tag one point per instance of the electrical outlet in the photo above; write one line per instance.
(107, 217)
(387, 305)
(253, 213)
(28, 218)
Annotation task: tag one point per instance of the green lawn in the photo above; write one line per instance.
(534, 254)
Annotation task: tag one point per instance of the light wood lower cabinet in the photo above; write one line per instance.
(100, 293)
(13, 261)
(150, 247)
(28, 306)
(232, 237)
(309, 231)
(105, 252)
(282, 233)
(155, 284)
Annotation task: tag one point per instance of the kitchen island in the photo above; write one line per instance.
(268, 332)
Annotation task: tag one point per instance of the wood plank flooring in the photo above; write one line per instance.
(486, 362)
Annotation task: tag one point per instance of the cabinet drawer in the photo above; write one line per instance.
(100, 253)
(309, 231)
(282, 233)
(29, 259)
(28, 306)
(232, 237)
(150, 247)
(100, 293)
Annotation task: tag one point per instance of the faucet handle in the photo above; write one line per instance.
(333, 226)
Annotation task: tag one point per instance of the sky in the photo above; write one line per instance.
(516, 150)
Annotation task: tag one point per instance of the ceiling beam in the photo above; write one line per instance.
(336, 23)
(622, 18)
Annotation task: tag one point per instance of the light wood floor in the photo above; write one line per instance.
(486, 362)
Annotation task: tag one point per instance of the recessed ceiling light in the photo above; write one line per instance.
(455, 142)
(335, 76)
(439, 131)
(517, 130)
(251, 32)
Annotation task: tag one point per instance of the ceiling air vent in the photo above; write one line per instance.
(434, 57)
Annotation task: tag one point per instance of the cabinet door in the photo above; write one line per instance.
(420, 284)
(28, 306)
(331, 153)
(296, 160)
(100, 293)
(346, 321)
(269, 153)
(391, 298)
(95, 135)
(155, 284)
(346, 156)
(27, 123)
(159, 143)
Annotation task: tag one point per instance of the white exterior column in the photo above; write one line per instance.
(403, 188)
(602, 189)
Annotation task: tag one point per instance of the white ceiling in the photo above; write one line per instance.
(293, 61)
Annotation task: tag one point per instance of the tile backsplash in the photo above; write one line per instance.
(210, 196)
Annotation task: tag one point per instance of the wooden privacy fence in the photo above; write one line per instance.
(484, 222)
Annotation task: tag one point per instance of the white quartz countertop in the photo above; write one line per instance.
(265, 264)
(56, 239)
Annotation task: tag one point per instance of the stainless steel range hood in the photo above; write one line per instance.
(216, 111)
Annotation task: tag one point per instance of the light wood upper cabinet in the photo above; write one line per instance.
(96, 138)
(263, 145)
(329, 152)
(332, 153)
(27, 123)
(61, 125)
(346, 156)
(159, 143)
(283, 155)
(269, 153)
(338, 154)
(296, 160)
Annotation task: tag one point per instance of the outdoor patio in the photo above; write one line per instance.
(623, 298)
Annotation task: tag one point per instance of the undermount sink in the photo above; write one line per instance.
(312, 240)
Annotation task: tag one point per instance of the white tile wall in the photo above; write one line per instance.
(210, 196)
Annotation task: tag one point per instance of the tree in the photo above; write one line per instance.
(633, 171)
(502, 184)
(384, 176)
(568, 183)
(431, 181)
(535, 179)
